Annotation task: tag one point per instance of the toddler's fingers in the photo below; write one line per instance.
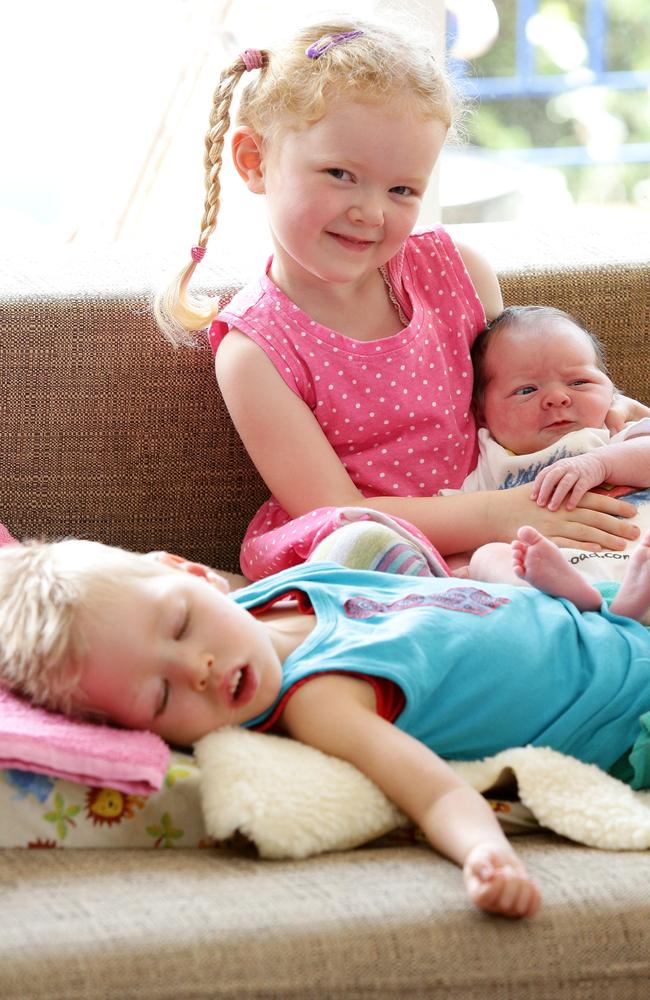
(508, 894)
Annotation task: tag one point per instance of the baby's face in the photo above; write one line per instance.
(177, 656)
(542, 384)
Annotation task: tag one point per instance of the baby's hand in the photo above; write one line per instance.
(569, 478)
(497, 881)
(622, 410)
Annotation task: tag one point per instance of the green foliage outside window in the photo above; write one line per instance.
(596, 116)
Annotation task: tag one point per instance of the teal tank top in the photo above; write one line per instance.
(483, 667)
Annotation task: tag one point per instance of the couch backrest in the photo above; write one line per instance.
(106, 432)
(598, 272)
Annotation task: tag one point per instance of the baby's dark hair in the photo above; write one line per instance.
(520, 316)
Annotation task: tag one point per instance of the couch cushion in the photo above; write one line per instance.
(378, 922)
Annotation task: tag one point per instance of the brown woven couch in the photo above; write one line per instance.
(107, 433)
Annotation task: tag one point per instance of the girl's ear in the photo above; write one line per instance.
(247, 156)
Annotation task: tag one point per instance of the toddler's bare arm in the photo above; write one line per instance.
(337, 714)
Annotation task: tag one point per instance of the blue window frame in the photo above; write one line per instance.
(527, 83)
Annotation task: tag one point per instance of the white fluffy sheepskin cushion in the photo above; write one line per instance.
(293, 801)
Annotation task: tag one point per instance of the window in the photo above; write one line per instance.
(106, 106)
(562, 113)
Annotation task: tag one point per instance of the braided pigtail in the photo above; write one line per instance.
(178, 314)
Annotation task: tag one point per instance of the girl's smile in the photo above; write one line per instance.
(344, 193)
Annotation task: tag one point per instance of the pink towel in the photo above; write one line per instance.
(6, 538)
(32, 739)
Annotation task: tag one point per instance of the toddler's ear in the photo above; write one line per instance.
(247, 157)
(196, 569)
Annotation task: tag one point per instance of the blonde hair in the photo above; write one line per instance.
(47, 591)
(293, 90)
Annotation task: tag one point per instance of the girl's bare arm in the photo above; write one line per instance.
(483, 278)
(336, 714)
(302, 470)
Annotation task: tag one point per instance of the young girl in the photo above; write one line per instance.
(370, 667)
(346, 367)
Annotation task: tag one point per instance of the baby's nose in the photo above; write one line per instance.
(557, 397)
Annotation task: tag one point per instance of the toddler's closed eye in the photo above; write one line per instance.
(164, 699)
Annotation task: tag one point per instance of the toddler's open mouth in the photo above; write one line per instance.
(239, 686)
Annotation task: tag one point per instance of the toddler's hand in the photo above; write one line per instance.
(569, 479)
(497, 881)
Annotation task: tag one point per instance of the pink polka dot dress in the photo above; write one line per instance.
(395, 410)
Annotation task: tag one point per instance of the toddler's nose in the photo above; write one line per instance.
(201, 672)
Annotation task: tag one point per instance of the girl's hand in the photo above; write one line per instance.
(568, 479)
(622, 410)
(496, 881)
(598, 522)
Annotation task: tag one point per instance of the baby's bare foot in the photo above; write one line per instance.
(540, 563)
(633, 598)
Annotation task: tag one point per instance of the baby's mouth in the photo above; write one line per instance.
(558, 424)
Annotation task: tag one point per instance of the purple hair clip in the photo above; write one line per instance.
(316, 50)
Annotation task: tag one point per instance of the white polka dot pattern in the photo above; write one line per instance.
(396, 410)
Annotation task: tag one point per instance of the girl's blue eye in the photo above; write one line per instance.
(524, 391)
(340, 174)
(402, 189)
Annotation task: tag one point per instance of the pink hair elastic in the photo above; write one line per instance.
(252, 59)
(321, 46)
(198, 253)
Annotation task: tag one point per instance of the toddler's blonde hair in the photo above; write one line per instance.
(292, 90)
(48, 590)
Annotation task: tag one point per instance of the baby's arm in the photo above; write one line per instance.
(622, 410)
(337, 714)
(626, 463)
(302, 470)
